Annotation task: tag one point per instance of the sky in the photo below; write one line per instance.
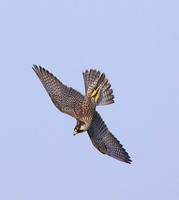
(136, 44)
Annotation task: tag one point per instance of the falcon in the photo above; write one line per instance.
(98, 92)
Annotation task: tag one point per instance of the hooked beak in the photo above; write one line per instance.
(75, 132)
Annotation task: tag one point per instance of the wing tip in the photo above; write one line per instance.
(40, 70)
(129, 161)
(125, 159)
(36, 68)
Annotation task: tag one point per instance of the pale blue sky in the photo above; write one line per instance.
(136, 43)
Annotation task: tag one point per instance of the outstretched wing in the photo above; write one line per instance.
(105, 142)
(66, 99)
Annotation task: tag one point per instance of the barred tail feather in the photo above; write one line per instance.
(90, 77)
(94, 80)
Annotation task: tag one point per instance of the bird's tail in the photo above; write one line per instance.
(98, 86)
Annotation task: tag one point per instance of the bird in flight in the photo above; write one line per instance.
(83, 108)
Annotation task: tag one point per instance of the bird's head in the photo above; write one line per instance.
(80, 127)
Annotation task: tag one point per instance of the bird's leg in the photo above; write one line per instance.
(96, 94)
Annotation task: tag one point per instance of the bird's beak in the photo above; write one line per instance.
(74, 133)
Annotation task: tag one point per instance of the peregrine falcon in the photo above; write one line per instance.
(83, 108)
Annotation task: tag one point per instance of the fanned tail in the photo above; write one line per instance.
(95, 81)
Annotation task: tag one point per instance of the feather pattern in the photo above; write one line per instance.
(66, 99)
(93, 80)
(105, 141)
(83, 108)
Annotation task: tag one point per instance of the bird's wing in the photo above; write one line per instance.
(66, 99)
(105, 142)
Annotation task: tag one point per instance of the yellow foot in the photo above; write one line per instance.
(96, 94)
